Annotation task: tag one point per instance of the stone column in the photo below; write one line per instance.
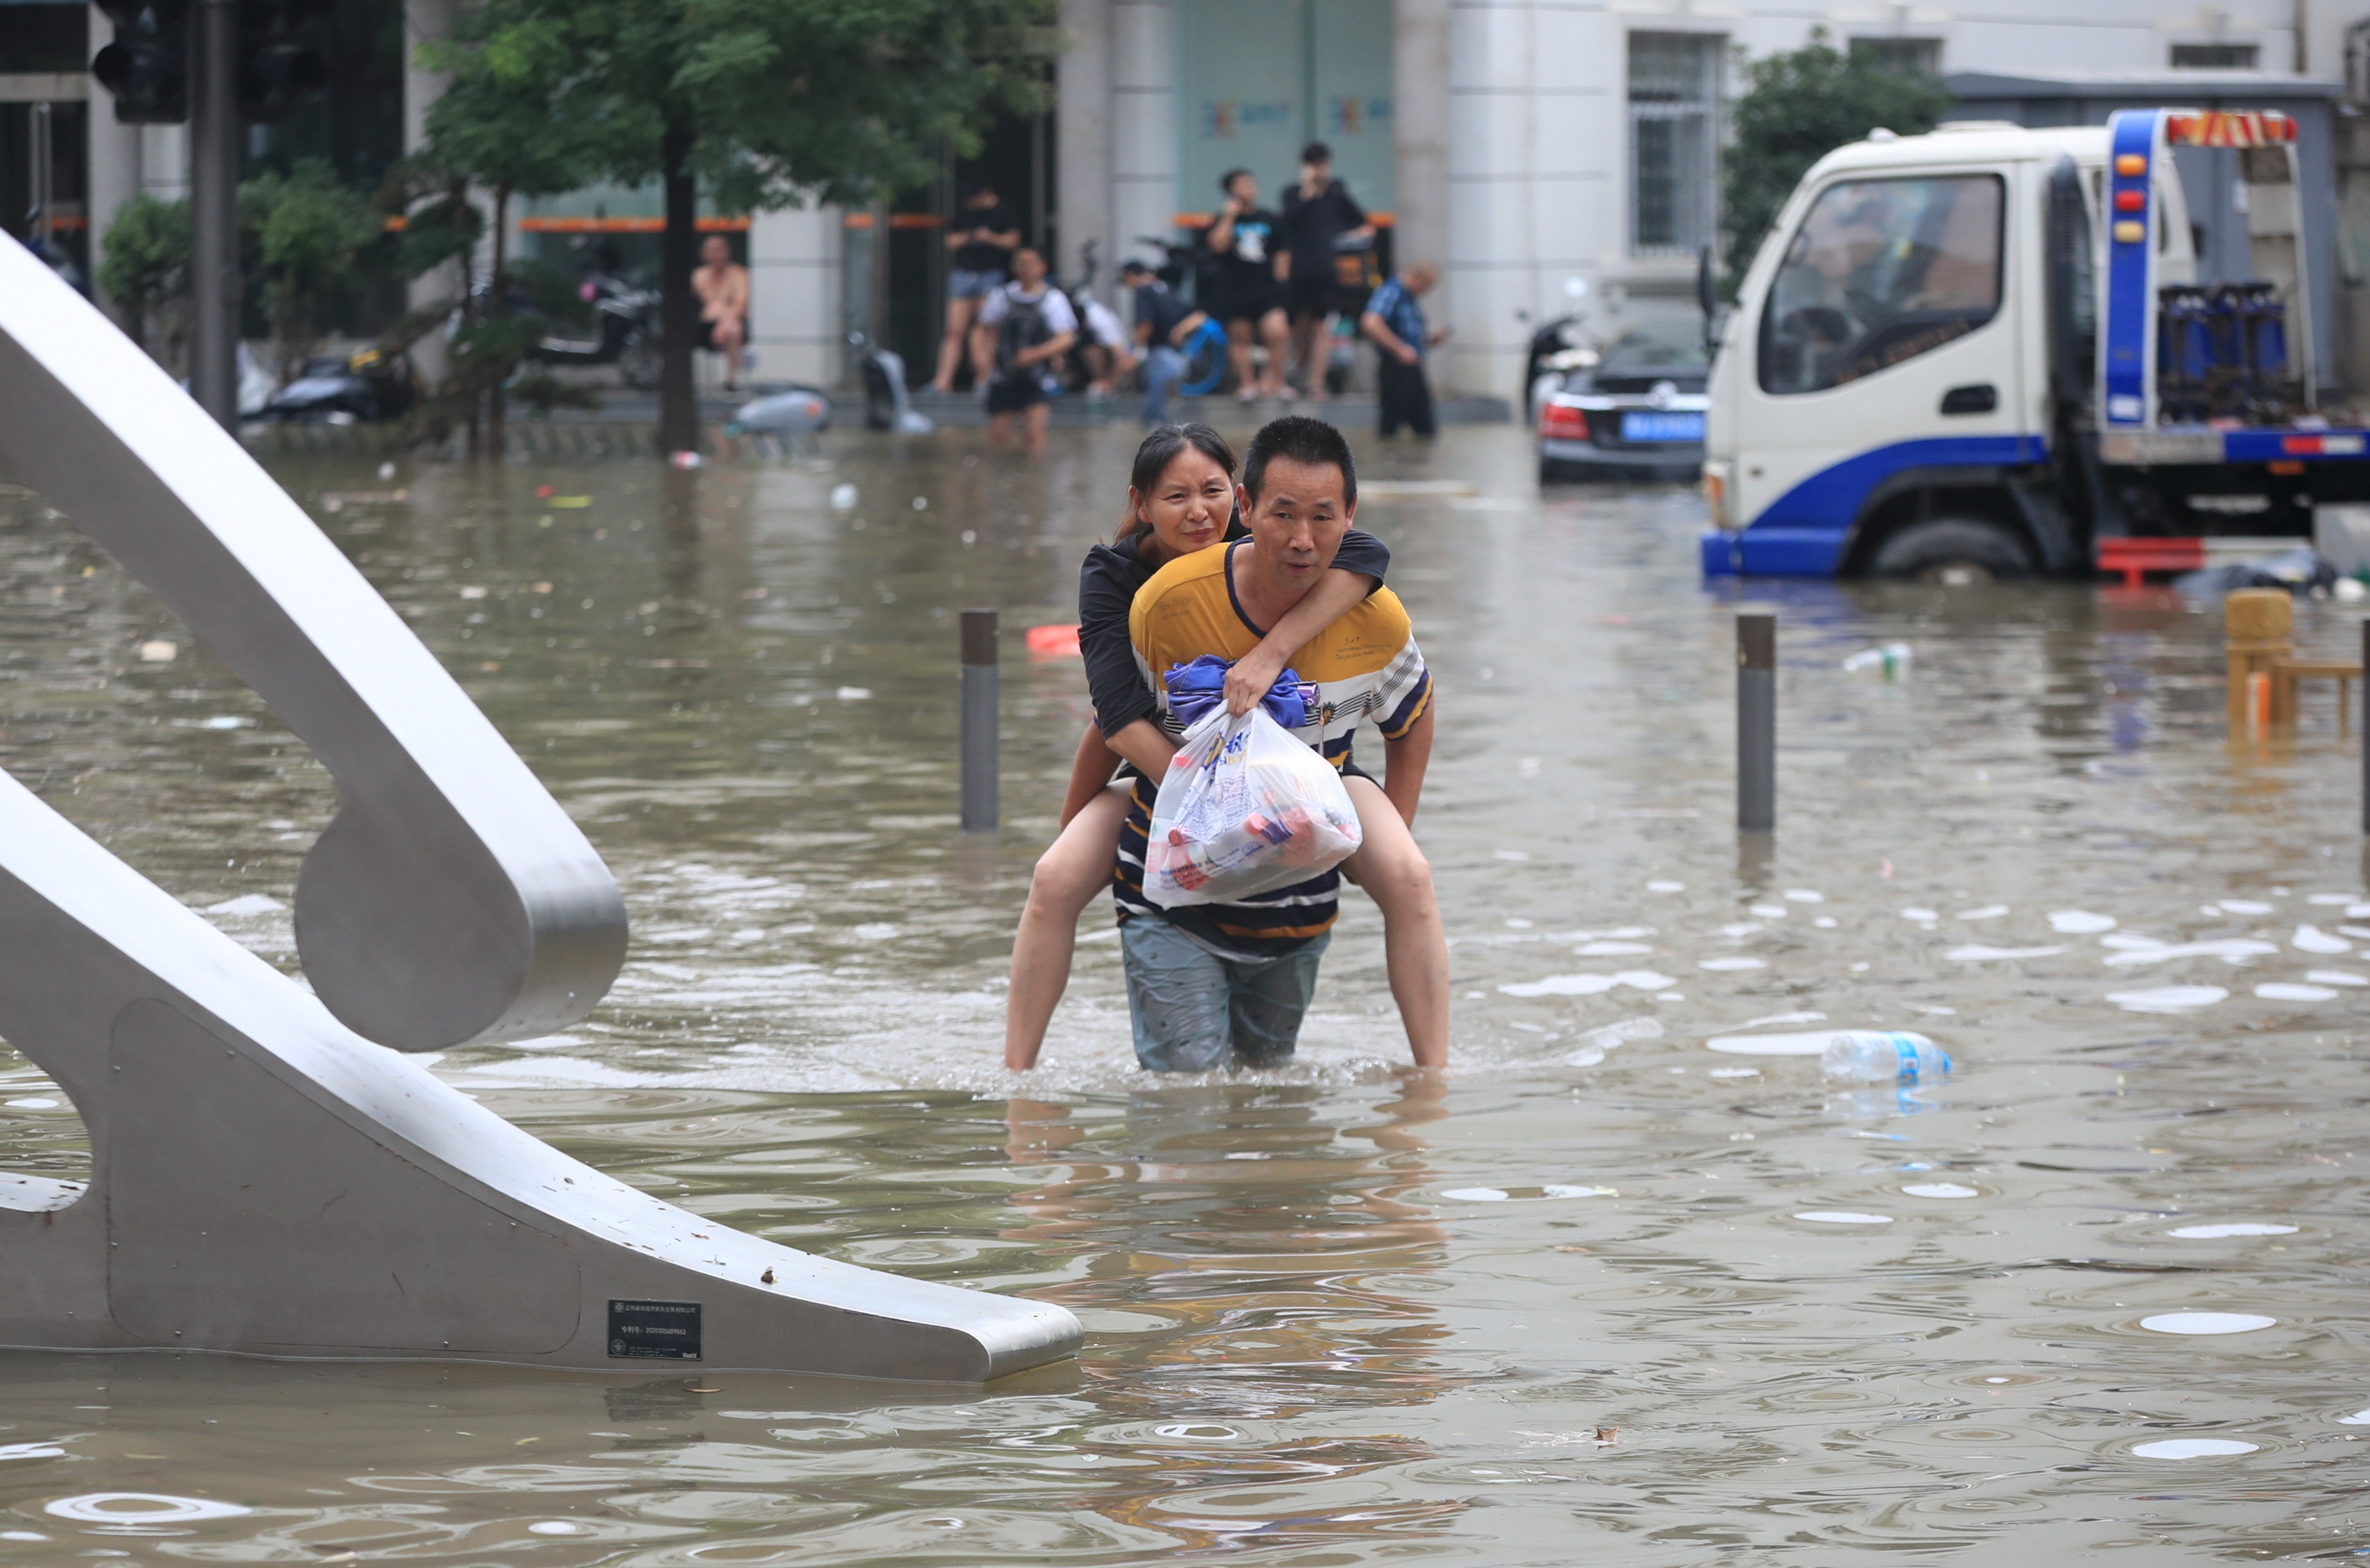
(1419, 127)
(114, 164)
(426, 21)
(1142, 102)
(795, 299)
(1082, 129)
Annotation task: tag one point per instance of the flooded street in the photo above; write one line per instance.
(1630, 1286)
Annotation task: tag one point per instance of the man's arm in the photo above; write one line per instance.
(1376, 328)
(1334, 592)
(1405, 759)
(1054, 348)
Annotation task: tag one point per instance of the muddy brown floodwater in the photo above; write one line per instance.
(1629, 1287)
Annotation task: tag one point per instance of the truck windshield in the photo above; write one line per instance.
(1880, 271)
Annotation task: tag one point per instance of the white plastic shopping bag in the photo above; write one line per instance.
(1246, 809)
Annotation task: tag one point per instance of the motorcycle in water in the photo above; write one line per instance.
(887, 404)
(625, 326)
(360, 388)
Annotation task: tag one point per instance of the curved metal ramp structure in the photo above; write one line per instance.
(266, 1179)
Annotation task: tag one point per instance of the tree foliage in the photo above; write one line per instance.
(1798, 105)
(765, 103)
(309, 233)
(146, 261)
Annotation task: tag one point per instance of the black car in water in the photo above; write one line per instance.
(1637, 413)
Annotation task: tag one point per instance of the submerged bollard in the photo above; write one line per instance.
(1757, 721)
(979, 721)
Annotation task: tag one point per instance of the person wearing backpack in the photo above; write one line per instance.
(1024, 326)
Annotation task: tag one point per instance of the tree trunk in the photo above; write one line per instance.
(499, 310)
(678, 312)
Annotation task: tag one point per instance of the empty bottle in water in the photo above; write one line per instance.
(1892, 658)
(1875, 1056)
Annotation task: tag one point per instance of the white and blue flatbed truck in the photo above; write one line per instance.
(1986, 353)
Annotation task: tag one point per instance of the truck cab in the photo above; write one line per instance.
(1983, 352)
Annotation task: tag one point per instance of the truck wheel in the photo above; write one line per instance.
(1953, 552)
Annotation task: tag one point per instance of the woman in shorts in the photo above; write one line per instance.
(1250, 296)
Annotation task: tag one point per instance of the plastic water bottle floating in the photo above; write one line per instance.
(1892, 658)
(1875, 1056)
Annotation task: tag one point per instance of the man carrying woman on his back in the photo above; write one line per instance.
(1182, 501)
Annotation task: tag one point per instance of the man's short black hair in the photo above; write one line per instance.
(1297, 438)
(974, 189)
(1317, 153)
(1226, 180)
(1131, 267)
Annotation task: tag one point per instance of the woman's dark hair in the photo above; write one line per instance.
(1160, 448)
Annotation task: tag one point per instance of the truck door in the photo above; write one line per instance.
(1888, 340)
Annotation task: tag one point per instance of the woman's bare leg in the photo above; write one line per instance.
(1393, 871)
(950, 348)
(1074, 868)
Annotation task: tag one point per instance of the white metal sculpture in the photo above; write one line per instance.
(266, 1179)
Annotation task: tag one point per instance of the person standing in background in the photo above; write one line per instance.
(1317, 213)
(1250, 292)
(982, 234)
(1025, 327)
(722, 285)
(1394, 319)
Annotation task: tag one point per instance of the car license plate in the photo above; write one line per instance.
(1662, 426)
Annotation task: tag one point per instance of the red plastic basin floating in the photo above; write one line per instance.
(1053, 642)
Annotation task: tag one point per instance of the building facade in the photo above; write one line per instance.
(1527, 143)
(1544, 152)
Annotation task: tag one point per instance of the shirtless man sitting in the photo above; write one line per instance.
(722, 285)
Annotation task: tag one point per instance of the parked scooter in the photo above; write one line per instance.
(887, 404)
(360, 388)
(624, 330)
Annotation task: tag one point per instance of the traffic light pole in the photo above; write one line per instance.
(213, 209)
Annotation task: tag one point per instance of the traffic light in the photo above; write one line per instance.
(281, 60)
(147, 66)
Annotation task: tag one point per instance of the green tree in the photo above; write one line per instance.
(1798, 105)
(767, 102)
(505, 125)
(146, 264)
(310, 232)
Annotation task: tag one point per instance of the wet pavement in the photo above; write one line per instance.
(1630, 1287)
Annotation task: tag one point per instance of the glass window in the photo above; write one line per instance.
(1880, 271)
(2216, 56)
(1674, 100)
(1900, 56)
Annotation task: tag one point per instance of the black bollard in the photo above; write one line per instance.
(1757, 721)
(979, 721)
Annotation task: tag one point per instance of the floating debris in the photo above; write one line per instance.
(2167, 999)
(2193, 1448)
(2206, 1322)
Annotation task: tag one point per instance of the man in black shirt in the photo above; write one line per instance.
(1318, 215)
(1250, 294)
(982, 234)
